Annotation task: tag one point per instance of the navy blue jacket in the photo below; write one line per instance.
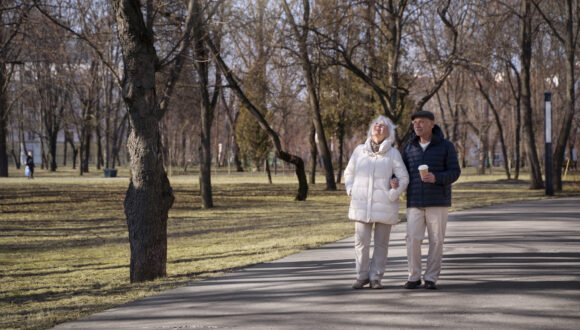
(441, 158)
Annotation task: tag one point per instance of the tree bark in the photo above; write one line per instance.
(516, 92)
(528, 130)
(149, 196)
(69, 139)
(86, 136)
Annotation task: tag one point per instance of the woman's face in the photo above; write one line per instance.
(380, 132)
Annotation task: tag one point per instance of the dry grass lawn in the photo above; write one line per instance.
(64, 251)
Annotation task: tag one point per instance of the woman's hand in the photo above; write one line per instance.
(394, 183)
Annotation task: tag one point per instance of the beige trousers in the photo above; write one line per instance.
(371, 269)
(435, 220)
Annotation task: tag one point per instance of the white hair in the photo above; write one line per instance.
(390, 126)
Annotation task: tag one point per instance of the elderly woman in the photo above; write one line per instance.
(374, 199)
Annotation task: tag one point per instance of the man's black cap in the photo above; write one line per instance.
(423, 114)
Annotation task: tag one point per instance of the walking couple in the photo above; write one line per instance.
(377, 175)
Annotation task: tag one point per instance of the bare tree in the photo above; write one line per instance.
(301, 34)
(12, 16)
(565, 26)
(149, 196)
(280, 153)
(498, 123)
(526, 38)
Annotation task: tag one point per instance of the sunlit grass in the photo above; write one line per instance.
(64, 251)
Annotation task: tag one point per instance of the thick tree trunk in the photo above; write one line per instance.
(526, 32)
(149, 196)
(148, 200)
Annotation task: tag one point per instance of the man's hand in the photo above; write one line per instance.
(429, 177)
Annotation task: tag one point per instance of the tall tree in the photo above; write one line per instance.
(202, 63)
(301, 32)
(385, 27)
(526, 38)
(150, 195)
(12, 16)
(565, 26)
(495, 111)
(280, 152)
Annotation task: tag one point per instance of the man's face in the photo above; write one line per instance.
(423, 127)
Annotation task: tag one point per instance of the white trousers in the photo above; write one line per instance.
(435, 220)
(371, 269)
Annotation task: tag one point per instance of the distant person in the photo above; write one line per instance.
(428, 196)
(368, 181)
(30, 165)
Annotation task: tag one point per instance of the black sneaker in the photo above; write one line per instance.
(412, 285)
(430, 285)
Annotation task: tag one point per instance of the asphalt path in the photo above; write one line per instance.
(508, 266)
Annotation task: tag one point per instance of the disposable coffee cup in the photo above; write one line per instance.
(423, 169)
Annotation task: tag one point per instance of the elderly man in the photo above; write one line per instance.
(428, 196)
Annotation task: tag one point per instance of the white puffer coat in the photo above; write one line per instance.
(367, 180)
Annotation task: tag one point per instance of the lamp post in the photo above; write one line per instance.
(548, 140)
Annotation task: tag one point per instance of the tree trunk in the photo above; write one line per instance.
(482, 152)
(313, 154)
(341, 134)
(205, 159)
(52, 142)
(232, 120)
(499, 128)
(68, 139)
(208, 103)
(100, 160)
(569, 45)
(3, 122)
(528, 129)
(517, 139)
(149, 196)
(268, 173)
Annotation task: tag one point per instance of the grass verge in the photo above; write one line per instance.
(64, 251)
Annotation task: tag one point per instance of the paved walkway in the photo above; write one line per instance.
(510, 266)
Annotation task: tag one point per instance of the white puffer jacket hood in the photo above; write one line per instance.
(367, 180)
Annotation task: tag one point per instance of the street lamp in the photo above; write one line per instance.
(548, 140)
